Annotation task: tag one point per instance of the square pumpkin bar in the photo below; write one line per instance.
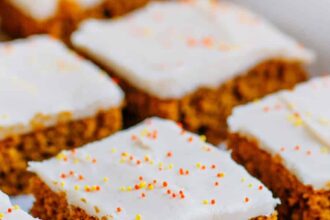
(193, 61)
(51, 99)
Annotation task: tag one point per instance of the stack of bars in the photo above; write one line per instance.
(155, 170)
(285, 141)
(194, 67)
(51, 100)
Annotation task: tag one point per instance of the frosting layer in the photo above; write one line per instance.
(42, 82)
(295, 125)
(44, 9)
(170, 49)
(156, 171)
(11, 212)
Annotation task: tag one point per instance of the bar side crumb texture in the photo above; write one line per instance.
(134, 172)
(51, 100)
(11, 212)
(58, 17)
(285, 141)
(193, 61)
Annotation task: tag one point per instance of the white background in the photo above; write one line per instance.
(306, 20)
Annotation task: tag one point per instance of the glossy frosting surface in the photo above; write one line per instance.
(42, 82)
(170, 49)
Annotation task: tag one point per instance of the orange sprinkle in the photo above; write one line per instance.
(143, 195)
(213, 202)
(134, 137)
(213, 166)
(173, 195)
(118, 210)
(246, 199)
(140, 178)
(260, 187)
(216, 183)
(190, 139)
(297, 148)
(169, 154)
(80, 177)
(165, 184)
(220, 175)
(208, 41)
(191, 42)
(168, 191)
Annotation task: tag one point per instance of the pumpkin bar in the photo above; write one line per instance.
(51, 99)
(154, 170)
(193, 61)
(284, 140)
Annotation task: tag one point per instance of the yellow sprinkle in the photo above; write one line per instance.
(105, 179)
(75, 161)
(202, 138)
(113, 150)
(198, 165)
(144, 132)
(16, 207)
(142, 184)
(160, 165)
(171, 166)
(151, 162)
(129, 188)
(205, 202)
(97, 210)
(325, 150)
(138, 217)
(125, 154)
(76, 187)
(122, 188)
(150, 187)
(2, 215)
(243, 180)
(122, 161)
(83, 200)
(250, 185)
(62, 184)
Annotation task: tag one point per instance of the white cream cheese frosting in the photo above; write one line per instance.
(170, 49)
(45, 9)
(41, 81)
(156, 170)
(11, 212)
(295, 125)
